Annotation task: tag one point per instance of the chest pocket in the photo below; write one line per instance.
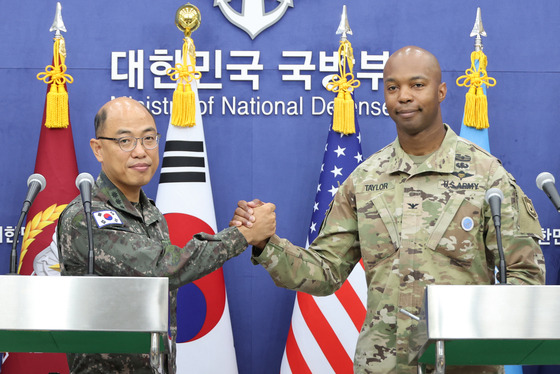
(116, 228)
(388, 219)
(379, 238)
(456, 233)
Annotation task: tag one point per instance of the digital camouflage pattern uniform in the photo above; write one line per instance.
(140, 246)
(412, 226)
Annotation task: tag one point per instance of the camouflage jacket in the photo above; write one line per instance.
(139, 246)
(413, 225)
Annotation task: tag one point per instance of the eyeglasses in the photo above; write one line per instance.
(128, 143)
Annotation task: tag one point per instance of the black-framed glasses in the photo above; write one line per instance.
(128, 143)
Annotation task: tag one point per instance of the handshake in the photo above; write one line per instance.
(255, 220)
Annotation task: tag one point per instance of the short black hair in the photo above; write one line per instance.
(99, 120)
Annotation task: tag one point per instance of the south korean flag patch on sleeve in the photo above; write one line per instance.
(106, 218)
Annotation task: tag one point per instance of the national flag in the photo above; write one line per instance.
(56, 161)
(205, 338)
(477, 131)
(480, 137)
(324, 330)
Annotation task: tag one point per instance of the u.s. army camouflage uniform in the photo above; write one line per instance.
(140, 246)
(412, 226)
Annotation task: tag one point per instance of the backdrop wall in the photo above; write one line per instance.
(121, 48)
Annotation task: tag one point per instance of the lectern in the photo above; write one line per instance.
(84, 315)
(487, 325)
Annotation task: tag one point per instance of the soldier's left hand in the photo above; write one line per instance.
(243, 214)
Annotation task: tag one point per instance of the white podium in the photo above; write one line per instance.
(487, 325)
(84, 315)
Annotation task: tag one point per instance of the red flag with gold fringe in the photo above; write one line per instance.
(56, 161)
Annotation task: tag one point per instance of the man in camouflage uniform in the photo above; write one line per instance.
(415, 213)
(130, 234)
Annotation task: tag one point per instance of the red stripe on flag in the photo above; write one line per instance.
(324, 334)
(295, 358)
(352, 304)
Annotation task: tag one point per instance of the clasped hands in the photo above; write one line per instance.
(255, 220)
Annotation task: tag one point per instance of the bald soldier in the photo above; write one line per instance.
(430, 225)
(135, 242)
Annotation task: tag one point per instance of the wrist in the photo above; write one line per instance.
(246, 233)
(260, 245)
(257, 251)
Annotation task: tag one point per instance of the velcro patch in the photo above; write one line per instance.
(530, 208)
(107, 217)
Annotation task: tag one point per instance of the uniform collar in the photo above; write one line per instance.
(441, 161)
(106, 191)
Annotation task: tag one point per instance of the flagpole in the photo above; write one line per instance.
(324, 330)
(475, 119)
(184, 196)
(56, 161)
(475, 132)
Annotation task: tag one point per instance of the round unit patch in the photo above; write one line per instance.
(467, 223)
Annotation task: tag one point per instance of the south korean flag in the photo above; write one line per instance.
(185, 198)
(106, 217)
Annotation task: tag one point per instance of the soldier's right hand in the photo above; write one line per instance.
(264, 225)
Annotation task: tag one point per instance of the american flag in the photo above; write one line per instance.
(324, 330)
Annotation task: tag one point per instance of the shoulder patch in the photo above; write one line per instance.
(528, 218)
(107, 217)
(529, 206)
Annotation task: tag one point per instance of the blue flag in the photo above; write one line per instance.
(481, 138)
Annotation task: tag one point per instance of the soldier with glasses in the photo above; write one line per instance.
(131, 237)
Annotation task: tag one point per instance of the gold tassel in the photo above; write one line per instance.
(189, 105)
(338, 112)
(349, 124)
(344, 84)
(183, 113)
(476, 102)
(57, 97)
(177, 102)
(481, 104)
